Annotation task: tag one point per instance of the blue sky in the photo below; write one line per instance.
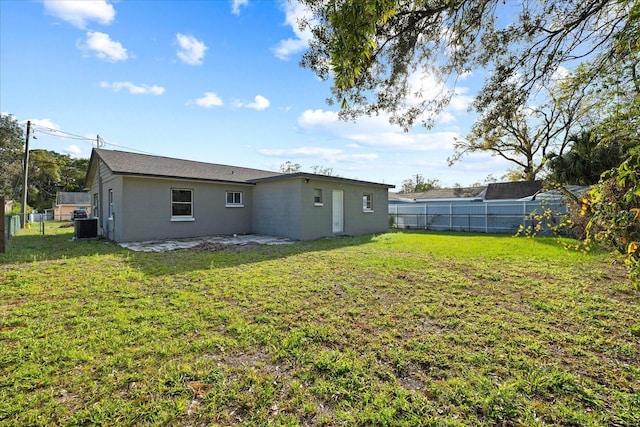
(214, 81)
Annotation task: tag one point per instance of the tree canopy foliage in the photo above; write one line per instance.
(374, 48)
(49, 172)
(378, 53)
(290, 167)
(419, 185)
(11, 152)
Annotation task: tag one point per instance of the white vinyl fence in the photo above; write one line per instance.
(480, 217)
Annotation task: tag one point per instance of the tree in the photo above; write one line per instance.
(289, 167)
(529, 136)
(613, 206)
(50, 173)
(419, 185)
(374, 49)
(590, 156)
(322, 170)
(11, 153)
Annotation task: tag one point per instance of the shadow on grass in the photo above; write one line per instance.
(58, 244)
(29, 246)
(547, 239)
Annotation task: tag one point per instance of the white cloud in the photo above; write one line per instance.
(424, 86)
(374, 132)
(191, 50)
(47, 123)
(259, 103)
(446, 117)
(133, 88)
(407, 141)
(80, 13)
(210, 99)
(103, 47)
(74, 151)
(237, 4)
(460, 102)
(318, 117)
(560, 74)
(325, 154)
(294, 11)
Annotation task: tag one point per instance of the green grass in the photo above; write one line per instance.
(396, 329)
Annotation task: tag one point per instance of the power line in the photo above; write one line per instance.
(103, 143)
(98, 140)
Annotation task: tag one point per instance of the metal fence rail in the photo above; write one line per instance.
(481, 217)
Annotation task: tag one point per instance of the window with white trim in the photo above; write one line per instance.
(234, 199)
(110, 203)
(181, 203)
(367, 202)
(317, 196)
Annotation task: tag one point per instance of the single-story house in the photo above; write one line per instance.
(138, 197)
(67, 202)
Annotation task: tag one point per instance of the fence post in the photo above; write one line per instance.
(486, 218)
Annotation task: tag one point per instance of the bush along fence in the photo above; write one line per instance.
(480, 217)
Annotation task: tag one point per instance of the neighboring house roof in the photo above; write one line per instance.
(576, 190)
(494, 191)
(512, 190)
(73, 198)
(124, 163)
(440, 193)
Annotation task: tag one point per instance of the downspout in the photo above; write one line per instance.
(100, 199)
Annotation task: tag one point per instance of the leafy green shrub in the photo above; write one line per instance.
(613, 207)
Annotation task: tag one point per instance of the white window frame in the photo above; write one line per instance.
(367, 202)
(317, 197)
(96, 206)
(110, 199)
(188, 217)
(234, 204)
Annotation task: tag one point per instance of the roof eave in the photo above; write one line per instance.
(183, 178)
(309, 176)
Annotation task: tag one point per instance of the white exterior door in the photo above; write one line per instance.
(338, 211)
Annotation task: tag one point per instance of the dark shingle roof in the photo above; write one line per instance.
(512, 190)
(124, 163)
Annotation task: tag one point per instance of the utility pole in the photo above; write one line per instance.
(25, 174)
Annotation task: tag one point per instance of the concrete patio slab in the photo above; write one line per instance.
(172, 245)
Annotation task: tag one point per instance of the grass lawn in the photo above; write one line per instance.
(396, 329)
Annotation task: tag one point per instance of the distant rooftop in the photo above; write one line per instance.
(494, 191)
(441, 193)
(73, 198)
(512, 190)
